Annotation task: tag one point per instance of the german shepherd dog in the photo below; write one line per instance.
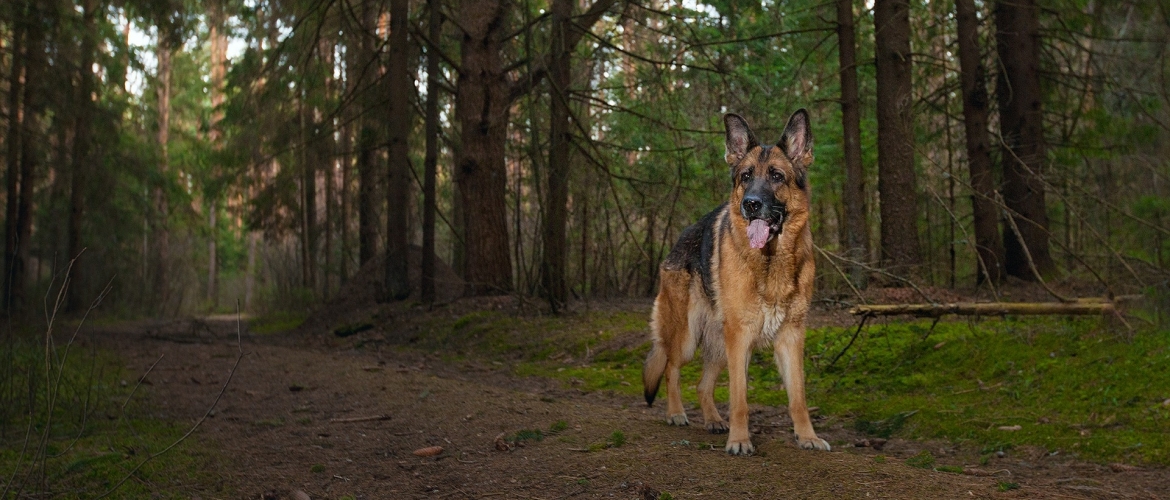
(741, 277)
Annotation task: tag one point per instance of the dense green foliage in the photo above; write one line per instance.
(279, 129)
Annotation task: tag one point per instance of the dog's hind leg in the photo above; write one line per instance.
(674, 344)
(713, 365)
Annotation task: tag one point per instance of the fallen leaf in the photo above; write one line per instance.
(429, 451)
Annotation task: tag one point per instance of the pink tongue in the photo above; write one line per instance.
(758, 233)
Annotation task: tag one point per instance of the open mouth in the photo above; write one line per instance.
(761, 231)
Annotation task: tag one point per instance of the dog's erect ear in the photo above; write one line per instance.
(797, 141)
(740, 138)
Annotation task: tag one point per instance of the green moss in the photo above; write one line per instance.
(923, 460)
(617, 439)
(527, 435)
(317, 468)
(1070, 384)
(1075, 385)
(86, 453)
(277, 322)
(883, 428)
(352, 329)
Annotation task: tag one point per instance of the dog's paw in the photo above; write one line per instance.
(718, 427)
(813, 443)
(743, 448)
(680, 419)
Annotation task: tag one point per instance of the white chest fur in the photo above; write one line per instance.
(773, 318)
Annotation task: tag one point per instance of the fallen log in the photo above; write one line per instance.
(1081, 307)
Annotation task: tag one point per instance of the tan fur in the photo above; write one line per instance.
(761, 297)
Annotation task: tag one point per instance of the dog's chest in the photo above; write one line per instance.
(773, 318)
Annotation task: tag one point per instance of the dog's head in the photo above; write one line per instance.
(770, 182)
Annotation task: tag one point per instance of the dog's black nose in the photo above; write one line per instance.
(752, 205)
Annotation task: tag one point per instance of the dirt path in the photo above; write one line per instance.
(279, 428)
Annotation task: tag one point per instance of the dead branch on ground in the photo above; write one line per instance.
(1078, 307)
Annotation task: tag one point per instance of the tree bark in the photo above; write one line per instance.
(218, 58)
(29, 154)
(328, 224)
(162, 210)
(973, 76)
(896, 183)
(482, 101)
(853, 192)
(555, 209)
(1021, 125)
(398, 168)
(12, 155)
(308, 165)
(81, 150)
(367, 139)
(566, 34)
(430, 162)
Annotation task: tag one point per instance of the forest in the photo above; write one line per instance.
(189, 155)
(330, 248)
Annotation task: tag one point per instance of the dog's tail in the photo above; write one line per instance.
(652, 371)
(656, 359)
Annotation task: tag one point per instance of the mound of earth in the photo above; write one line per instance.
(362, 290)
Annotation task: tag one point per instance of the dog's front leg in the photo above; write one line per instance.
(735, 338)
(789, 349)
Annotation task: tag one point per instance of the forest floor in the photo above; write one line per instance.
(337, 412)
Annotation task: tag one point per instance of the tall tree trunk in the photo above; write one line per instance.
(82, 135)
(162, 210)
(896, 184)
(218, 58)
(555, 246)
(398, 168)
(250, 270)
(351, 124)
(853, 191)
(482, 111)
(324, 144)
(12, 155)
(213, 233)
(30, 153)
(973, 76)
(330, 170)
(431, 161)
(343, 199)
(367, 138)
(1021, 125)
(308, 165)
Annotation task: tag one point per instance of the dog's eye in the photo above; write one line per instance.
(745, 177)
(776, 176)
